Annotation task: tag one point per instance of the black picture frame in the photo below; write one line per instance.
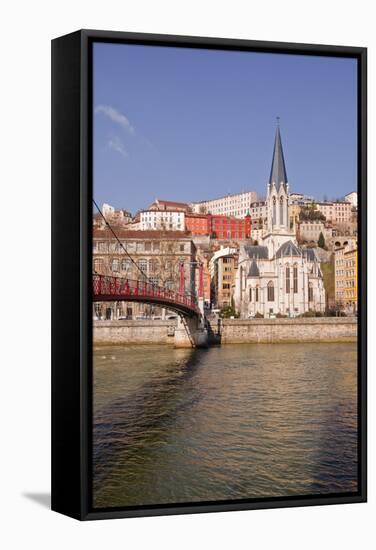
(71, 271)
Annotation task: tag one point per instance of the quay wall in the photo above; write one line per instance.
(233, 331)
(134, 332)
(272, 331)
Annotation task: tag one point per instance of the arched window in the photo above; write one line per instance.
(287, 280)
(295, 279)
(310, 292)
(281, 209)
(250, 294)
(274, 211)
(257, 293)
(270, 291)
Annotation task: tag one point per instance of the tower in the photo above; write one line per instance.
(278, 189)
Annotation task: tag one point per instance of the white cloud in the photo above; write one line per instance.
(115, 144)
(115, 116)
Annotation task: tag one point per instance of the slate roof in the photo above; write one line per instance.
(253, 270)
(288, 249)
(278, 173)
(309, 254)
(256, 252)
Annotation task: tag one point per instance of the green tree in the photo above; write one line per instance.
(321, 241)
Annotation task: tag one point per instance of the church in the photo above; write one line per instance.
(278, 277)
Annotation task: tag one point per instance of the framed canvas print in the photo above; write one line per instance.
(209, 274)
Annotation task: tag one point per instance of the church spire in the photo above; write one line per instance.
(278, 174)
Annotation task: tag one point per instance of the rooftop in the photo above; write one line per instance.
(133, 234)
(256, 252)
(288, 249)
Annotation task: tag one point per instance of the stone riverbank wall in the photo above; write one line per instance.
(233, 331)
(134, 332)
(271, 331)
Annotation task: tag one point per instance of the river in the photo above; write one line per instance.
(230, 422)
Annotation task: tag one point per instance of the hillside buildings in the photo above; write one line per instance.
(278, 277)
(236, 204)
(346, 277)
(169, 206)
(117, 217)
(352, 198)
(335, 212)
(259, 212)
(218, 226)
(351, 280)
(162, 220)
(309, 231)
(223, 281)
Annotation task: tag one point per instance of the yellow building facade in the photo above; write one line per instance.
(351, 280)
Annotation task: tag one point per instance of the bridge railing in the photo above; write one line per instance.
(106, 286)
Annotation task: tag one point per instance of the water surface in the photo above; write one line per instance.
(237, 421)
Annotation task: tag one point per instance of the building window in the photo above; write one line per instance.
(182, 248)
(257, 293)
(274, 211)
(270, 291)
(98, 310)
(295, 279)
(287, 280)
(143, 265)
(250, 294)
(115, 265)
(98, 265)
(281, 222)
(125, 265)
(310, 292)
(226, 286)
(153, 266)
(154, 281)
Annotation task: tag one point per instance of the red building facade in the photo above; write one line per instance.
(219, 227)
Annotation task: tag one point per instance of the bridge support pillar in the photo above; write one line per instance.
(190, 333)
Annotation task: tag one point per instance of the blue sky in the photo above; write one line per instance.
(186, 124)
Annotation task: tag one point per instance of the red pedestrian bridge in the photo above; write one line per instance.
(115, 289)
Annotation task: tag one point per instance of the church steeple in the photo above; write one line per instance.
(278, 174)
(277, 196)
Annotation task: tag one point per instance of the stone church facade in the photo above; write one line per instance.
(278, 276)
